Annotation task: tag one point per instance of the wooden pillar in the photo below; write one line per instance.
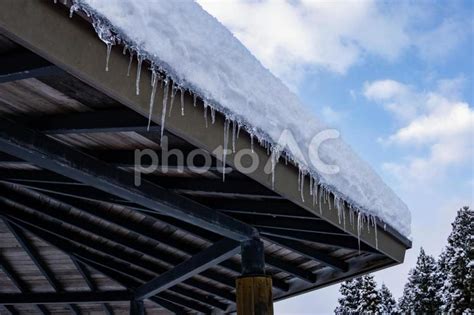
(254, 288)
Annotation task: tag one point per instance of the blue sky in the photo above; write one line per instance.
(396, 78)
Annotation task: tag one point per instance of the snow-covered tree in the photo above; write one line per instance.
(369, 296)
(421, 293)
(350, 291)
(359, 296)
(456, 267)
(387, 302)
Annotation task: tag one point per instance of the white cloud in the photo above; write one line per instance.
(436, 120)
(332, 116)
(289, 37)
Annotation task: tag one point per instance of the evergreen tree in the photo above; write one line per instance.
(387, 302)
(369, 302)
(421, 293)
(359, 296)
(454, 265)
(350, 292)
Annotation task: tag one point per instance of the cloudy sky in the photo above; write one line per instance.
(396, 78)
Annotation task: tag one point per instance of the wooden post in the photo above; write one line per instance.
(254, 288)
(254, 295)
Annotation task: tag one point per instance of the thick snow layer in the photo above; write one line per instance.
(201, 55)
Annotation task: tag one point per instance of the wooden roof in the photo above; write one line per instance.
(73, 223)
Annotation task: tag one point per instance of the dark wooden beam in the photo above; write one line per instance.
(113, 120)
(47, 153)
(209, 257)
(23, 64)
(190, 186)
(302, 274)
(78, 297)
(324, 239)
(290, 224)
(310, 253)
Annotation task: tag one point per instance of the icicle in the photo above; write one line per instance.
(165, 101)
(55, 1)
(234, 131)
(251, 142)
(73, 9)
(319, 201)
(205, 112)
(174, 90)
(107, 57)
(329, 200)
(376, 238)
(213, 115)
(238, 130)
(154, 80)
(65, 2)
(310, 185)
(124, 50)
(344, 216)
(226, 140)
(139, 72)
(194, 100)
(315, 193)
(182, 102)
(302, 186)
(299, 179)
(274, 160)
(358, 229)
(130, 63)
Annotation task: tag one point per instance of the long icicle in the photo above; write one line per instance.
(139, 73)
(234, 131)
(182, 101)
(205, 112)
(107, 58)
(165, 102)
(174, 90)
(224, 151)
(154, 80)
(130, 63)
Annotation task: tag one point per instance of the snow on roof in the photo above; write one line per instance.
(202, 56)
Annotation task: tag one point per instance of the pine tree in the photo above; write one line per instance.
(369, 302)
(359, 296)
(387, 302)
(455, 267)
(421, 293)
(350, 291)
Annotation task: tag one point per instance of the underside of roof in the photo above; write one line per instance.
(77, 236)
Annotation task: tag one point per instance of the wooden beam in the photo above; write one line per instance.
(23, 64)
(324, 239)
(52, 155)
(78, 297)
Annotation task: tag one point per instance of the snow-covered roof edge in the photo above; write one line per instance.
(361, 189)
